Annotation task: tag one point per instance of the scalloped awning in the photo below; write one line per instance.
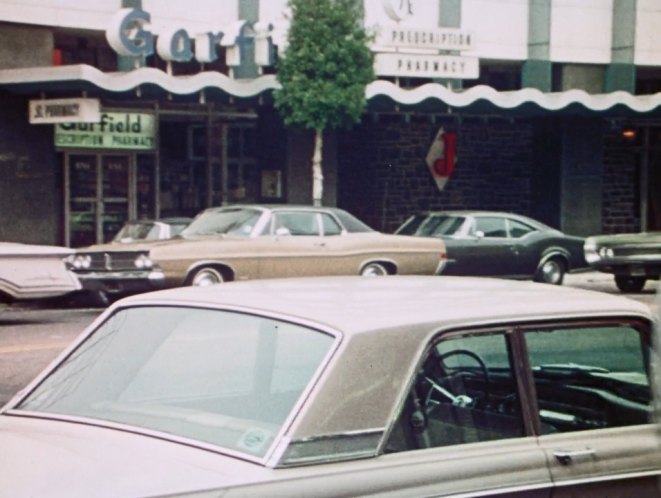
(382, 95)
(150, 81)
(434, 97)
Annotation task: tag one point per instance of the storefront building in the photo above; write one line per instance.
(135, 109)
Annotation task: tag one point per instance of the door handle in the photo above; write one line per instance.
(567, 457)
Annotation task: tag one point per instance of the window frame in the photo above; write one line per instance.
(522, 372)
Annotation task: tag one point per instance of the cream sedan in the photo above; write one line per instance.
(247, 242)
(345, 386)
(31, 271)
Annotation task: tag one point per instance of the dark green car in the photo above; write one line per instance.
(633, 258)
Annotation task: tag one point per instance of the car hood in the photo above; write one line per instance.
(627, 238)
(48, 458)
(142, 245)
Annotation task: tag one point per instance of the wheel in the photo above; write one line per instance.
(206, 276)
(629, 284)
(552, 271)
(374, 270)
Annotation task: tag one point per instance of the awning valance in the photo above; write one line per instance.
(434, 97)
(382, 95)
(81, 77)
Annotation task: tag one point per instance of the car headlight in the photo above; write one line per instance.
(590, 251)
(606, 252)
(79, 261)
(142, 262)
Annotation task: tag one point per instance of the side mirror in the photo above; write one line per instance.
(282, 231)
(479, 234)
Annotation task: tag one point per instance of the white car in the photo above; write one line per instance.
(29, 271)
(345, 386)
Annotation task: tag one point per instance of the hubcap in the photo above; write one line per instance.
(374, 271)
(206, 278)
(551, 271)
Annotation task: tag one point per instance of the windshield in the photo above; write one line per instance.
(137, 231)
(225, 378)
(227, 221)
(432, 226)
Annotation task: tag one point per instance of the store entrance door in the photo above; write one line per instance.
(101, 194)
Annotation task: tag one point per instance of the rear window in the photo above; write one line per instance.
(224, 378)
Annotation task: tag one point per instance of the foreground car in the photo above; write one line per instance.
(29, 271)
(256, 241)
(485, 243)
(633, 258)
(345, 386)
(139, 230)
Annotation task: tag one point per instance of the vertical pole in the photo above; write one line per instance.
(644, 179)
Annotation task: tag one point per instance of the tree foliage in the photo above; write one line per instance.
(326, 65)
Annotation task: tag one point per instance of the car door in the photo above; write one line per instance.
(593, 395)
(488, 249)
(464, 429)
(294, 247)
(525, 245)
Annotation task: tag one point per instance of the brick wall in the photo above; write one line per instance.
(383, 177)
(621, 199)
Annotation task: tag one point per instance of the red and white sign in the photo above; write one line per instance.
(442, 157)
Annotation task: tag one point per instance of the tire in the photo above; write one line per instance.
(630, 284)
(551, 271)
(374, 270)
(206, 276)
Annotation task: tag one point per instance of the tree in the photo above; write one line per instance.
(323, 72)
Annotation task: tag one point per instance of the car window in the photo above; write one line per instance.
(491, 226)
(590, 377)
(292, 223)
(519, 229)
(433, 225)
(196, 373)
(331, 227)
(224, 221)
(465, 392)
(440, 225)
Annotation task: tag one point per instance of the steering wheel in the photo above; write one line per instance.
(448, 375)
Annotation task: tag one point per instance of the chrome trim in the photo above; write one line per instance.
(610, 477)
(338, 435)
(152, 275)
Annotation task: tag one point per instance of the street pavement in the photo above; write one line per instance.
(604, 282)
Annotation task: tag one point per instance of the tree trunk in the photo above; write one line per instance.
(317, 176)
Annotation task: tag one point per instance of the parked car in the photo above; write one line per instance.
(345, 386)
(256, 241)
(31, 271)
(633, 258)
(139, 230)
(495, 244)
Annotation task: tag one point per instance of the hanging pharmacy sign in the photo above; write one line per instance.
(115, 130)
(406, 51)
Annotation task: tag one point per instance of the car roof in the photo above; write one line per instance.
(468, 212)
(354, 304)
(384, 325)
(268, 206)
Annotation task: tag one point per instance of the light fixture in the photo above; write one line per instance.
(629, 134)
